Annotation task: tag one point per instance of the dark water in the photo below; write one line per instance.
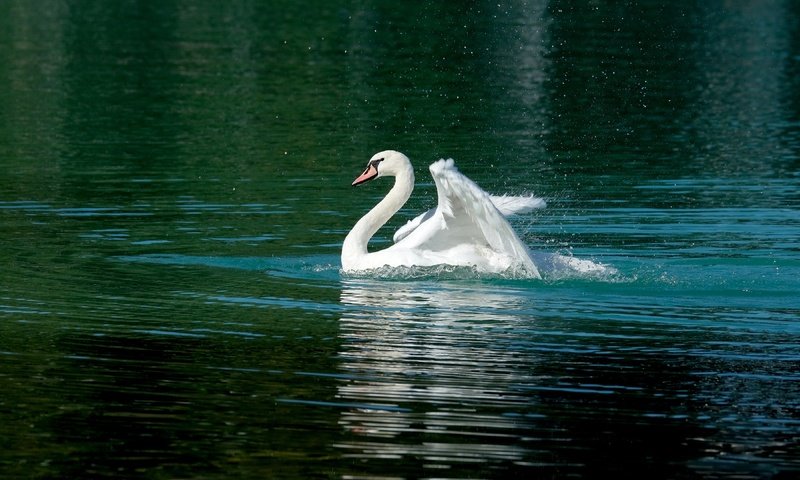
(175, 191)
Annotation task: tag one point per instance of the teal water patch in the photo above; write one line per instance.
(311, 267)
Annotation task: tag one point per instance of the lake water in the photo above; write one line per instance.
(175, 190)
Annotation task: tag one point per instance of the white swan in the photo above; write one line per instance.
(466, 228)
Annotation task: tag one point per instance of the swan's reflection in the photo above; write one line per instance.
(439, 371)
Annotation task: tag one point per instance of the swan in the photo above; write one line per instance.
(466, 228)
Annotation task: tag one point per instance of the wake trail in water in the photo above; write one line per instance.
(554, 268)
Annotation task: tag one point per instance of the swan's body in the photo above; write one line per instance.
(466, 228)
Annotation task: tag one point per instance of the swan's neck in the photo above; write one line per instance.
(355, 244)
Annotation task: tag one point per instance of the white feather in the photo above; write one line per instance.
(508, 205)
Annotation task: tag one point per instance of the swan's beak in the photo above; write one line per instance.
(370, 173)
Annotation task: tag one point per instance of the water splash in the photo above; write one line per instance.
(554, 267)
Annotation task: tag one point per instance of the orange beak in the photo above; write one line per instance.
(370, 173)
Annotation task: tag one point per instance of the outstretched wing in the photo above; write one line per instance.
(507, 205)
(465, 214)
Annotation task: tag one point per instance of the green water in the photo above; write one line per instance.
(175, 189)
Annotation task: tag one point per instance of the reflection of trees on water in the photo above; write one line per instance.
(673, 91)
(127, 408)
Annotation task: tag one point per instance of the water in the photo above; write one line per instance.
(175, 190)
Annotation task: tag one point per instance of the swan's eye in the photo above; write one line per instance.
(374, 163)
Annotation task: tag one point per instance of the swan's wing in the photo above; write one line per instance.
(465, 214)
(412, 225)
(506, 204)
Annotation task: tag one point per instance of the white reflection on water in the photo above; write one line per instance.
(449, 356)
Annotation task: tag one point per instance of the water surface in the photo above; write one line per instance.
(175, 189)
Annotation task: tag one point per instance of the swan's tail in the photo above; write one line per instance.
(517, 205)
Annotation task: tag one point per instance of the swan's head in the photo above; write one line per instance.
(382, 164)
